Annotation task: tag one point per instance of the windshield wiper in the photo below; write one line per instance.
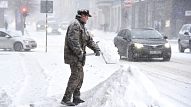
(154, 38)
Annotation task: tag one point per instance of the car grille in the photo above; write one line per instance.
(32, 42)
(160, 46)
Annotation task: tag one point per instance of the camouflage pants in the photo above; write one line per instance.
(75, 82)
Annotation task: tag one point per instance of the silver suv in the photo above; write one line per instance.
(184, 38)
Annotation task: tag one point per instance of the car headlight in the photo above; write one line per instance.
(49, 29)
(38, 25)
(59, 30)
(26, 41)
(167, 45)
(138, 45)
(92, 32)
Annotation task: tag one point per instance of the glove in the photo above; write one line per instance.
(80, 56)
(97, 53)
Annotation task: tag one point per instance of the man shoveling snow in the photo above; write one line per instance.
(76, 40)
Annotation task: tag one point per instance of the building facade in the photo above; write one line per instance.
(166, 16)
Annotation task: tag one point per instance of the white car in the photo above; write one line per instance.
(90, 30)
(64, 25)
(184, 38)
(13, 41)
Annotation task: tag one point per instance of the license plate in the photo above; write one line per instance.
(155, 52)
(33, 45)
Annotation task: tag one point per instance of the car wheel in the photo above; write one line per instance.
(181, 49)
(130, 56)
(18, 46)
(27, 49)
(120, 56)
(166, 58)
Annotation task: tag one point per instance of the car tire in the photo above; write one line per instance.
(120, 56)
(166, 58)
(18, 46)
(180, 48)
(130, 56)
(27, 49)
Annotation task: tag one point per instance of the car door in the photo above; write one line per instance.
(126, 42)
(186, 37)
(122, 43)
(4, 41)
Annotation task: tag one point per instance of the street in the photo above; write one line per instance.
(172, 79)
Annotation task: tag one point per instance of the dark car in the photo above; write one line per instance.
(139, 43)
(41, 25)
(12, 41)
(53, 28)
(184, 38)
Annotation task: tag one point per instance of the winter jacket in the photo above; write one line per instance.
(76, 40)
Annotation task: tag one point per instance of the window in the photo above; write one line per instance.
(122, 33)
(2, 34)
(128, 34)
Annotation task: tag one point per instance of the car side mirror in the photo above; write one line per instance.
(127, 39)
(165, 37)
(186, 33)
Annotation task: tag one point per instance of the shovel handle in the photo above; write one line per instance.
(90, 54)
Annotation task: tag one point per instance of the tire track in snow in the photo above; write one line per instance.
(172, 79)
(34, 86)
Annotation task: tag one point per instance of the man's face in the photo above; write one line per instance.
(84, 18)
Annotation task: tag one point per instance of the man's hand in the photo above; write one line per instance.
(97, 53)
(80, 56)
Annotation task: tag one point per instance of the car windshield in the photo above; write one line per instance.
(145, 34)
(53, 25)
(42, 22)
(13, 34)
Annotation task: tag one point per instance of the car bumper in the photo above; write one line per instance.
(152, 52)
(186, 43)
(40, 28)
(54, 32)
(30, 46)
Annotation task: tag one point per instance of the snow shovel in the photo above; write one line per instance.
(90, 54)
(107, 50)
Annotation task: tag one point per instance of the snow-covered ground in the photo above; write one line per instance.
(39, 78)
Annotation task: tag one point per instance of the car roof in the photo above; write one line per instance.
(41, 21)
(52, 23)
(139, 29)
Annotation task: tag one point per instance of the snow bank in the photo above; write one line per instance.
(127, 87)
(5, 99)
(109, 51)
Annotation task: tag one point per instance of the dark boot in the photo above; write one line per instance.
(67, 102)
(77, 100)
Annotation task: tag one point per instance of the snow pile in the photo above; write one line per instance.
(4, 99)
(109, 51)
(127, 87)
